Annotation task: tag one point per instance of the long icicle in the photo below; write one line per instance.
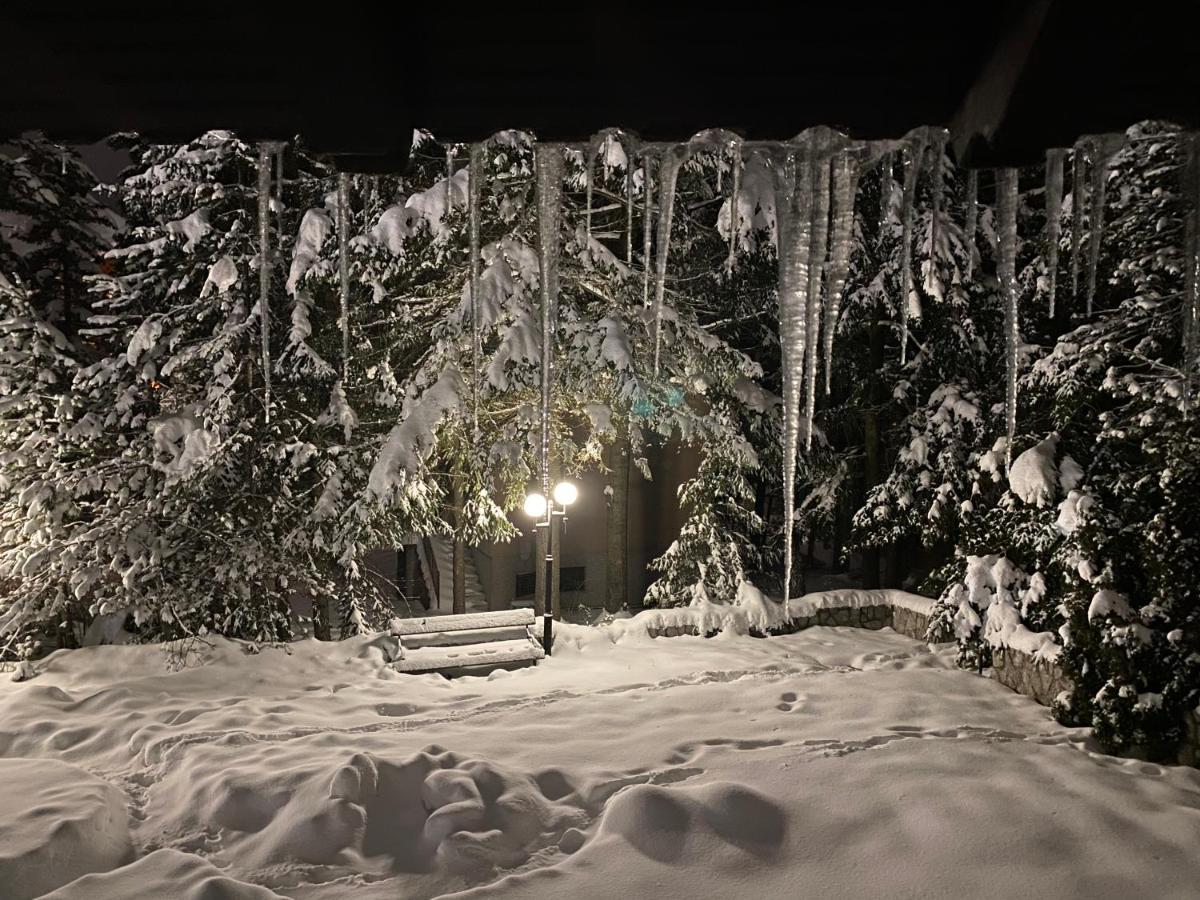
(647, 221)
(1105, 148)
(912, 174)
(1006, 189)
(672, 159)
(279, 159)
(628, 205)
(793, 195)
(735, 223)
(887, 186)
(474, 197)
(343, 198)
(1078, 204)
(841, 244)
(264, 269)
(938, 152)
(817, 254)
(1191, 309)
(972, 220)
(1054, 196)
(549, 163)
(589, 177)
(451, 151)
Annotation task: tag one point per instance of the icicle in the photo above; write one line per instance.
(939, 152)
(972, 219)
(911, 175)
(279, 150)
(475, 173)
(793, 200)
(672, 159)
(264, 269)
(647, 221)
(735, 224)
(887, 185)
(1105, 148)
(1054, 195)
(628, 205)
(549, 163)
(1191, 309)
(1006, 191)
(343, 197)
(589, 164)
(1078, 202)
(817, 250)
(841, 244)
(450, 154)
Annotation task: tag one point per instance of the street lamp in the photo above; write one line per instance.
(538, 507)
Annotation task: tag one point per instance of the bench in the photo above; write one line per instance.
(463, 644)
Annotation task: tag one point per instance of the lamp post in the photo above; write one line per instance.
(537, 506)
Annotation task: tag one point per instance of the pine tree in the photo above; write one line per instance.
(53, 231)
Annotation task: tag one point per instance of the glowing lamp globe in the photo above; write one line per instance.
(535, 505)
(565, 493)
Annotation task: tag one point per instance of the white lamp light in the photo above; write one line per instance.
(535, 505)
(565, 493)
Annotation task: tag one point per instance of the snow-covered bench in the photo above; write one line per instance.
(455, 645)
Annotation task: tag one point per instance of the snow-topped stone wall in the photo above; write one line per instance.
(906, 613)
(1040, 678)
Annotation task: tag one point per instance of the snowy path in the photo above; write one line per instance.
(830, 763)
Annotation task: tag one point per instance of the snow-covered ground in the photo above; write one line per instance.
(830, 763)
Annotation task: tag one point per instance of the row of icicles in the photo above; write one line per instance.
(815, 186)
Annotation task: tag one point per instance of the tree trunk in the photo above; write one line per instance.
(616, 589)
(839, 537)
(320, 617)
(460, 551)
(872, 448)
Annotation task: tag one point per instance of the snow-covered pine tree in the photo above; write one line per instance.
(1128, 599)
(918, 413)
(53, 231)
(1087, 541)
(190, 505)
(54, 228)
(707, 562)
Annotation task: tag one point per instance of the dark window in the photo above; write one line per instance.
(571, 578)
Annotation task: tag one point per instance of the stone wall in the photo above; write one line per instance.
(874, 617)
(1041, 679)
(910, 623)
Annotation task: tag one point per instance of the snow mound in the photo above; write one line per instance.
(57, 822)
(164, 873)
(686, 827)
(432, 812)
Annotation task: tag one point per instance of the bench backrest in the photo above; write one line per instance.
(505, 618)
